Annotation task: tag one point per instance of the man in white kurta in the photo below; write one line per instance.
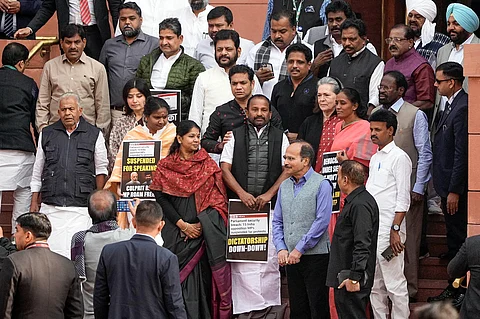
(63, 179)
(389, 184)
(212, 87)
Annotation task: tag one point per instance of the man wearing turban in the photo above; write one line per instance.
(421, 14)
(461, 23)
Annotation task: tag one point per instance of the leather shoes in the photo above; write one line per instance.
(458, 301)
(448, 293)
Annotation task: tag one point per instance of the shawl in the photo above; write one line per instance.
(198, 175)
(78, 245)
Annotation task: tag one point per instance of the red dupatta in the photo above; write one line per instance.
(198, 175)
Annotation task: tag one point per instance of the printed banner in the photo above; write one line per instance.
(329, 170)
(174, 100)
(139, 163)
(247, 233)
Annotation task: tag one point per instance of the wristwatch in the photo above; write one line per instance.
(395, 227)
(354, 282)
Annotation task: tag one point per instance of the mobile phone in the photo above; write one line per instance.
(268, 66)
(122, 206)
(388, 253)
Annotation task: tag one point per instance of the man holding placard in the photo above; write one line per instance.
(262, 146)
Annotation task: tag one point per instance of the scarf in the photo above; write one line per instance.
(428, 9)
(78, 244)
(263, 56)
(199, 175)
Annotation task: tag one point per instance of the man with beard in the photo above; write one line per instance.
(121, 55)
(412, 137)
(252, 167)
(421, 14)
(194, 23)
(267, 58)
(75, 72)
(212, 87)
(295, 96)
(461, 23)
(357, 67)
(231, 115)
(327, 39)
(417, 70)
(219, 18)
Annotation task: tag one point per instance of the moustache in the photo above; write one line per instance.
(373, 137)
(278, 40)
(259, 117)
(392, 47)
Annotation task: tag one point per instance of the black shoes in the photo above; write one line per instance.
(448, 293)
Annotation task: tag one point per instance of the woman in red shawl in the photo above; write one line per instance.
(188, 185)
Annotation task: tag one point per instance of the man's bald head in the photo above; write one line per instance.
(102, 206)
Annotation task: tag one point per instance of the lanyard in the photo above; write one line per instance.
(297, 10)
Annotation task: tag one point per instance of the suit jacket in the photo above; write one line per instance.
(28, 9)
(468, 259)
(38, 283)
(450, 149)
(442, 57)
(138, 279)
(323, 44)
(61, 7)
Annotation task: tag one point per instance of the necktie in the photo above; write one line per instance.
(445, 112)
(8, 25)
(85, 12)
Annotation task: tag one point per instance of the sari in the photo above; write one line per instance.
(355, 140)
(193, 190)
(139, 132)
(326, 140)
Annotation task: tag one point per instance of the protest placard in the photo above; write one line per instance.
(248, 232)
(174, 100)
(329, 170)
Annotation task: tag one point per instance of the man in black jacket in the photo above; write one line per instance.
(354, 244)
(294, 97)
(252, 167)
(94, 19)
(17, 122)
(36, 282)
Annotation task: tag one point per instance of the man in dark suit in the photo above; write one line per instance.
(137, 278)
(56, 288)
(354, 244)
(17, 14)
(95, 22)
(450, 154)
(467, 259)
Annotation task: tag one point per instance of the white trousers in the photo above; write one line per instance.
(66, 221)
(21, 203)
(389, 282)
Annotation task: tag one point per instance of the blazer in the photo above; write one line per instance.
(450, 149)
(56, 288)
(49, 7)
(468, 259)
(28, 9)
(442, 57)
(138, 279)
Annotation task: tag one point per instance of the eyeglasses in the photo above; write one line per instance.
(440, 81)
(385, 88)
(388, 40)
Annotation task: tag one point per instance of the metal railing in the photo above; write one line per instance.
(44, 41)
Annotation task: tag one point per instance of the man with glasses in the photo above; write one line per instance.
(412, 65)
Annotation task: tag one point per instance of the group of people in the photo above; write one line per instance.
(258, 123)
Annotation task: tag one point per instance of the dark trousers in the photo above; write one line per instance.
(94, 42)
(456, 225)
(351, 305)
(306, 287)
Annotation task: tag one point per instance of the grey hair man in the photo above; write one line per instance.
(71, 162)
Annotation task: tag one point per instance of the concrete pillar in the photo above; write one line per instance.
(471, 66)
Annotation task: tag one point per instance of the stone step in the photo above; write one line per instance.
(436, 224)
(430, 287)
(433, 268)
(437, 244)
